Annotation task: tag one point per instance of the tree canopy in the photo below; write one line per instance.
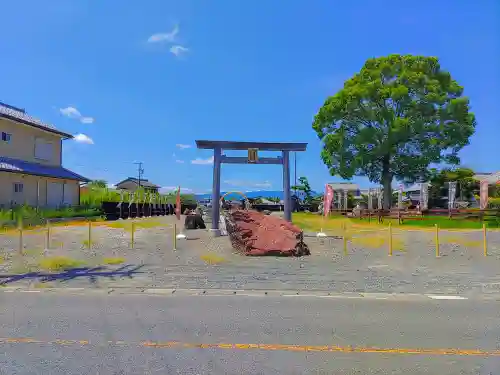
(99, 183)
(466, 184)
(393, 119)
(304, 187)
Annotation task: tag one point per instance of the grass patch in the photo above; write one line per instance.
(314, 223)
(2, 259)
(113, 261)
(59, 263)
(40, 285)
(212, 259)
(378, 242)
(443, 222)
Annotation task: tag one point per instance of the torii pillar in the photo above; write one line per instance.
(252, 148)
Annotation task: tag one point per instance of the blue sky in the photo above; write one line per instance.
(140, 78)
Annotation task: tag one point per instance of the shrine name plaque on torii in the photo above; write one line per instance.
(253, 149)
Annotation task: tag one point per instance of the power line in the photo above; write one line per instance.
(140, 171)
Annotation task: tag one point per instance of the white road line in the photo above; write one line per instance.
(164, 292)
(159, 291)
(446, 297)
(341, 296)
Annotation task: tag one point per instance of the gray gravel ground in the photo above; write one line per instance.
(461, 269)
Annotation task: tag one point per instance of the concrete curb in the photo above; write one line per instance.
(172, 292)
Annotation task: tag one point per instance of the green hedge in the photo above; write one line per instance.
(33, 216)
(93, 196)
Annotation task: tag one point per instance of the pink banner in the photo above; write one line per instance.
(178, 204)
(327, 200)
(483, 195)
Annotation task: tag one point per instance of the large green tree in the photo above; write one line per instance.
(393, 119)
(304, 187)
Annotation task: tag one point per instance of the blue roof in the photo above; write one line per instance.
(19, 115)
(21, 166)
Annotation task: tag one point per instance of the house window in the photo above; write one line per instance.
(18, 187)
(43, 149)
(6, 137)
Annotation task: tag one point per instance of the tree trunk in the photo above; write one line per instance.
(387, 184)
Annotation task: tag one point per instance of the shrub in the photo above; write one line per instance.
(59, 263)
(212, 259)
(113, 261)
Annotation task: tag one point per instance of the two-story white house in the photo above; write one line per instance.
(31, 169)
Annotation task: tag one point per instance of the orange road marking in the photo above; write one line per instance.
(267, 347)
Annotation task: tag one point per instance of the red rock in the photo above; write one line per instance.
(255, 233)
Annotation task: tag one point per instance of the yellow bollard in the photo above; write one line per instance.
(132, 239)
(21, 244)
(175, 237)
(47, 240)
(390, 239)
(437, 240)
(90, 235)
(485, 244)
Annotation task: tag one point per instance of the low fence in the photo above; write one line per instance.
(86, 234)
(346, 238)
(402, 215)
(391, 239)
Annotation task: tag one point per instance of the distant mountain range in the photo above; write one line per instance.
(252, 194)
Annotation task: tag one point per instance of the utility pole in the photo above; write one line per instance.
(140, 171)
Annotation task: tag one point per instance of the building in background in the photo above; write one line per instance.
(31, 170)
(493, 178)
(347, 186)
(132, 184)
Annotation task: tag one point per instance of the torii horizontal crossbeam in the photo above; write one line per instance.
(243, 160)
(261, 146)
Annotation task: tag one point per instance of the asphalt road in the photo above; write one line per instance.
(132, 334)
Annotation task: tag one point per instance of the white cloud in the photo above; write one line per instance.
(242, 183)
(265, 185)
(82, 138)
(199, 161)
(173, 189)
(164, 37)
(72, 112)
(87, 120)
(111, 186)
(179, 161)
(182, 146)
(178, 50)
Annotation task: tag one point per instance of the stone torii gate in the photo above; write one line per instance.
(252, 148)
